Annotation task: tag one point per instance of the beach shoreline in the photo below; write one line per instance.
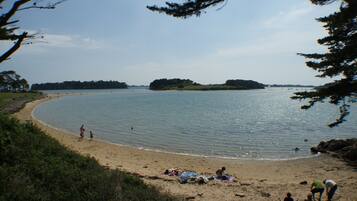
(256, 178)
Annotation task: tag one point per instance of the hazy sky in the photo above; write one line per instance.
(122, 40)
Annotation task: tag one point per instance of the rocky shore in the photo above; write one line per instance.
(345, 149)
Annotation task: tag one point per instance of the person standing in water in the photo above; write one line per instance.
(91, 135)
(81, 131)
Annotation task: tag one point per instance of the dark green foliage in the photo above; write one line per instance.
(165, 84)
(340, 60)
(185, 84)
(10, 81)
(248, 84)
(186, 9)
(34, 166)
(80, 85)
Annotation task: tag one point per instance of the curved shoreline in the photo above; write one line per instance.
(275, 177)
(57, 96)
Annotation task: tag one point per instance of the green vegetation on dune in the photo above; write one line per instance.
(12, 102)
(80, 85)
(34, 166)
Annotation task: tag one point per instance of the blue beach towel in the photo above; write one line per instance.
(185, 176)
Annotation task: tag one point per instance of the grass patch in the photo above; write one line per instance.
(34, 166)
(12, 102)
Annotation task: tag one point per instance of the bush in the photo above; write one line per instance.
(34, 166)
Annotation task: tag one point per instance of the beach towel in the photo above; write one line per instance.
(186, 176)
(226, 178)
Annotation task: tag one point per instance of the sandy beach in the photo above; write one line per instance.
(256, 180)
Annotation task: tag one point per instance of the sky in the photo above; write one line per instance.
(122, 40)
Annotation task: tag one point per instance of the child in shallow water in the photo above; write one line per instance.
(81, 132)
(91, 135)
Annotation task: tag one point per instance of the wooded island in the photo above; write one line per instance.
(186, 84)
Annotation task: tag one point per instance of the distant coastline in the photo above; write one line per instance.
(80, 85)
(290, 85)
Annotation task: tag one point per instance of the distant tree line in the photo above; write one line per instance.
(80, 85)
(248, 84)
(186, 84)
(162, 84)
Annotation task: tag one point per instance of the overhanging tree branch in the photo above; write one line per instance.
(5, 17)
(8, 28)
(48, 6)
(13, 49)
(186, 9)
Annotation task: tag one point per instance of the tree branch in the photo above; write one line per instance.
(49, 6)
(186, 9)
(16, 46)
(5, 17)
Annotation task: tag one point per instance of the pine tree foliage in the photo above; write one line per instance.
(9, 31)
(186, 9)
(339, 61)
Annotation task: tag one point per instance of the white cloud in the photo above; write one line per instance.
(67, 41)
(43, 41)
(284, 18)
(275, 44)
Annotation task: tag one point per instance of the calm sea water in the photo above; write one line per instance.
(254, 124)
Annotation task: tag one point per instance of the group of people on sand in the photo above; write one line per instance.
(318, 187)
(81, 133)
(194, 177)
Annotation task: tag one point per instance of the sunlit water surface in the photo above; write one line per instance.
(253, 124)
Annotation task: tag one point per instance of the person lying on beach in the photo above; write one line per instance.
(331, 188)
(317, 187)
(173, 172)
(288, 197)
(220, 174)
(91, 135)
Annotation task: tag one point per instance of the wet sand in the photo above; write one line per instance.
(256, 180)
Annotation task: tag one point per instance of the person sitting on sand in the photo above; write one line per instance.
(220, 173)
(91, 135)
(331, 188)
(309, 197)
(81, 131)
(288, 197)
(317, 187)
